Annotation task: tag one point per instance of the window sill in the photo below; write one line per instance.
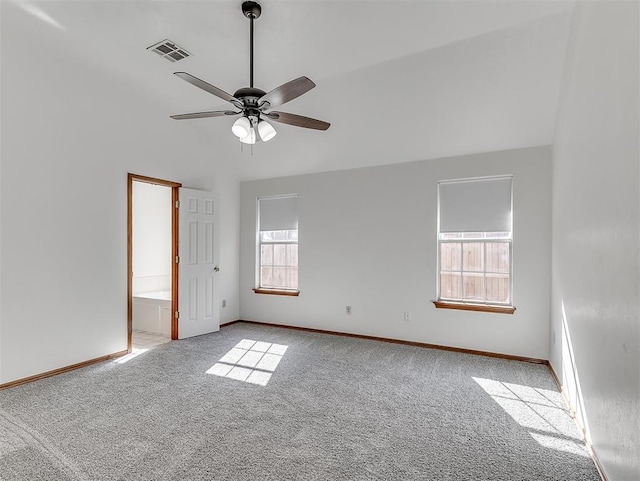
(474, 307)
(276, 292)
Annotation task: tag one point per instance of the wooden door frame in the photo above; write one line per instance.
(175, 197)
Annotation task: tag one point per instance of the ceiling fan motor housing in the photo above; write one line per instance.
(249, 95)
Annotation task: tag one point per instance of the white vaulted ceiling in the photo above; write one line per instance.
(398, 80)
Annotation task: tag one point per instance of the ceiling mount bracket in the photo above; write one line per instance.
(251, 10)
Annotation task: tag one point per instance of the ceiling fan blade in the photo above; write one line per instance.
(286, 92)
(202, 115)
(298, 120)
(208, 88)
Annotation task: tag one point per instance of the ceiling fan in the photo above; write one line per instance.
(254, 105)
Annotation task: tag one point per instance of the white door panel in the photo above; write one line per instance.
(199, 306)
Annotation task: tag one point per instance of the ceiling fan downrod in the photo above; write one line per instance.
(251, 10)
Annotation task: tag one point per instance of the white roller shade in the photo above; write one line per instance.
(279, 213)
(478, 205)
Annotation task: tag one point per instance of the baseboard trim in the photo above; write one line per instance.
(61, 370)
(226, 324)
(401, 341)
(592, 451)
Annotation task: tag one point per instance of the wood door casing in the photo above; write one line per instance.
(175, 195)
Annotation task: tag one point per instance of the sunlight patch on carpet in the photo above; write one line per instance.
(250, 361)
(135, 352)
(541, 411)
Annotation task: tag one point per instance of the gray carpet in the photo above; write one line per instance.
(334, 408)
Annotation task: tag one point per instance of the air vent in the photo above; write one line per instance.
(169, 50)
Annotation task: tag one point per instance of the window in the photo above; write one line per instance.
(475, 244)
(277, 269)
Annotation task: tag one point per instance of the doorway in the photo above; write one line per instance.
(152, 254)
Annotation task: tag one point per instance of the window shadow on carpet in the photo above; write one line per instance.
(540, 411)
(250, 361)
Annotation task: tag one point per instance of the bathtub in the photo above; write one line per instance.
(152, 312)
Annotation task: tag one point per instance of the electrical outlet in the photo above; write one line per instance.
(347, 310)
(224, 303)
(407, 316)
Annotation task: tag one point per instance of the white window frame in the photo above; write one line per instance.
(467, 238)
(258, 254)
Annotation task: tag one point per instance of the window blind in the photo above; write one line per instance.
(278, 213)
(475, 205)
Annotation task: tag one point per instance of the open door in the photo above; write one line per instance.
(198, 297)
(175, 187)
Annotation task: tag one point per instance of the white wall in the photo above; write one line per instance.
(70, 134)
(595, 317)
(152, 258)
(368, 239)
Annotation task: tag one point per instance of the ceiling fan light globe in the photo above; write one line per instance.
(250, 138)
(266, 130)
(241, 127)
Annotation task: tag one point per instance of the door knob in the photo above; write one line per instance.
(216, 269)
